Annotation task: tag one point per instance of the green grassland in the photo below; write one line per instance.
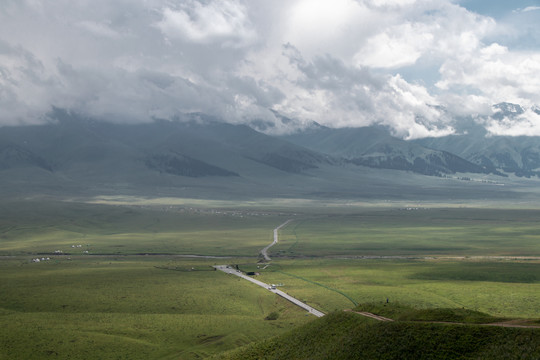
(31, 228)
(400, 312)
(425, 231)
(117, 302)
(128, 308)
(510, 290)
(350, 336)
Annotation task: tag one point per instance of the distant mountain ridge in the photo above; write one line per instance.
(201, 156)
(192, 147)
(14, 156)
(519, 155)
(473, 151)
(375, 147)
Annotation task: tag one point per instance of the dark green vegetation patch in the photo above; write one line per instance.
(402, 312)
(351, 336)
(177, 164)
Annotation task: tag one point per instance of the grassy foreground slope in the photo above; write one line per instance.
(131, 308)
(350, 336)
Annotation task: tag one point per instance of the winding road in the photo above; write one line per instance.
(264, 252)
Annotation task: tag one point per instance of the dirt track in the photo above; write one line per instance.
(509, 324)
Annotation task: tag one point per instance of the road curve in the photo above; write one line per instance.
(229, 270)
(264, 252)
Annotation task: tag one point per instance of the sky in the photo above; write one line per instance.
(420, 67)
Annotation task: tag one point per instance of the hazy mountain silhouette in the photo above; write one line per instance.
(200, 156)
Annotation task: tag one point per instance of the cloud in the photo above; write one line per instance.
(392, 3)
(25, 86)
(528, 8)
(100, 29)
(333, 93)
(317, 27)
(430, 29)
(497, 73)
(218, 21)
(525, 124)
(397, 47)
(341, 63)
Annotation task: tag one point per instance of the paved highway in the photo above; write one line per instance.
(229, 270)
(264, 252)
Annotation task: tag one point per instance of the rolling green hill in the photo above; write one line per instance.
(346, 335)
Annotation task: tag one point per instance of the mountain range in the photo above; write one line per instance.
(200, 156)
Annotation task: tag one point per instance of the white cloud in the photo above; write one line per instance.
(333, 93)
(392, 3)
(430, 29)
(528, 8)
(412, 112)
(26, 88)
(397, 47)
(336, 62)
(318, 27)
(499, 74)
(206, 23)
(526, 124)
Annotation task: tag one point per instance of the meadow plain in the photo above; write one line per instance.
(128, 308)
(136, 295)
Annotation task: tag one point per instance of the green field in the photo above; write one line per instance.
(423, 231)
(343, 335)
(31, 228)
(506, 289)
(126, 308)
(133, 295)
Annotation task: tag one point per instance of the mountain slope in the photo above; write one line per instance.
(512, 154)
(199, 157)
(13, 156)
(177, 164)
(519, 155)
(375, 147)
(193, 156)
(73, 141)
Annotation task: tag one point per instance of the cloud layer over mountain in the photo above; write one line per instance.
(413, 65)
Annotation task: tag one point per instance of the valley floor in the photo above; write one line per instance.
(138, 280)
